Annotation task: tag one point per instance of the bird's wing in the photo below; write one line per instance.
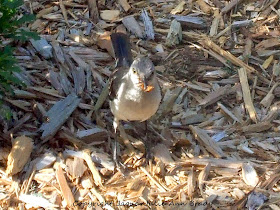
(115, 81)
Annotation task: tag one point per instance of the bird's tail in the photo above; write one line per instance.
(122, 49)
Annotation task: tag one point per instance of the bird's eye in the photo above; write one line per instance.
(134, 70)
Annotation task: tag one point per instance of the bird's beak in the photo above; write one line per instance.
(145, 86)
(145, 83)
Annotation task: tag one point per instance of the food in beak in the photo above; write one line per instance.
(143, 84)
(146, 88)
(149, 88)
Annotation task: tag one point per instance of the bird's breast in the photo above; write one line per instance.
(132, 104)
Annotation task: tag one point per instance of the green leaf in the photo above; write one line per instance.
(25, 19)
(12, 27)
(12, 4)
(5, 112)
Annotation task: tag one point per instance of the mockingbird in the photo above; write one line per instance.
(134, 94)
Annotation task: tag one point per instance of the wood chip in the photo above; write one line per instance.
(58, 114)
(191, 183)
(194, 119)
(37, 201)
(169, 99)
(149, 28)
(267, 100)
(259, 127)
(45, 11)
(109, 15)
(154, 181)
(125, 5)
(179, 8)
(162, 153)
(95, 173)
(43, 47)
(209, 44)
(19, 155)
(248, 49)
(241, 23)
(76, 167)
(203, 176)
(191, 22)
(64, 12)
(229, 6)
(255, 199)
(104, 42)
(47, 160)
(206, 141)
(64, 187)
(215, 96)
(93, 10)
(228, 112)
(272, 180)
(249, 175)
(174, 36)
(246, 94)
(91, 135)
(215, 23)
(133, 26)
(204, 7)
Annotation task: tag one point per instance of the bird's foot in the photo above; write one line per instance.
(119, 166)
(148, 152)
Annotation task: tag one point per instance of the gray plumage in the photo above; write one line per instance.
(129, 102)
(134, 90)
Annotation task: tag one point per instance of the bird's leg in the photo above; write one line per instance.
(118, 165)
(115, 148)
(147, 143)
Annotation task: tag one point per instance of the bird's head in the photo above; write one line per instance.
(142, 73)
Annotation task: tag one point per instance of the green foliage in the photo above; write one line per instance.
(5, 111)
(8, 65)
(10, 23)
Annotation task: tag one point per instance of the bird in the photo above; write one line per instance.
(134, 90)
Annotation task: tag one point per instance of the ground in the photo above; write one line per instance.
(215, 136)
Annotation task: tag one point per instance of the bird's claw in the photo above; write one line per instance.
(119, 166)
(148, 153)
